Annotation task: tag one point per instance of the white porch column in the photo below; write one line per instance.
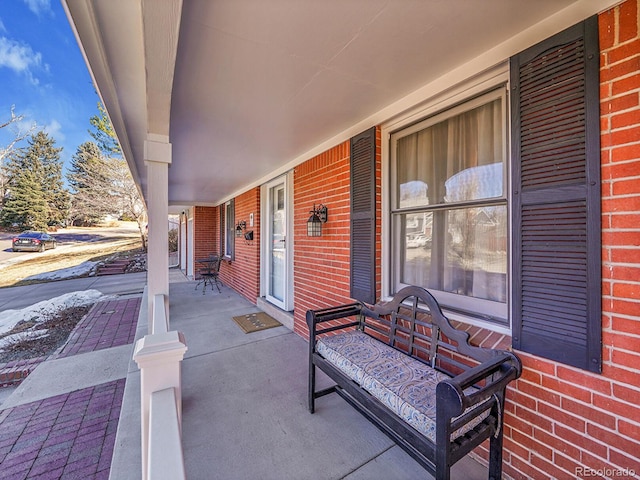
(158, 357)
(157, 154)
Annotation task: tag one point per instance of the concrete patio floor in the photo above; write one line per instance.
(244, 406)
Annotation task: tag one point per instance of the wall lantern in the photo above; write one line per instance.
(240, 226)
(317, 218)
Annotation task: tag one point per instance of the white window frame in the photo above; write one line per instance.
(229, 230)
(446, 101)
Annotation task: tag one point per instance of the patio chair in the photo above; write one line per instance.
(210, 273)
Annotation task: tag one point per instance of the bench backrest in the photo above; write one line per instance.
(413, 322)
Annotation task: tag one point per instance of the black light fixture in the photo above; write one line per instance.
(240, 226)
(317, 218)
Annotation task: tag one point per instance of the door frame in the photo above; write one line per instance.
(287, 180)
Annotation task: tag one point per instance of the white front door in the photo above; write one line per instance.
(277, 270)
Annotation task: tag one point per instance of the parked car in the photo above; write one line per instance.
(33, 242)
(416, 240)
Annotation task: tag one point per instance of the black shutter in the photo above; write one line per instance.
(556, 198)
(363, 216)
(223, 248)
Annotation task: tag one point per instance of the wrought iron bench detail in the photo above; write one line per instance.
(405, 367)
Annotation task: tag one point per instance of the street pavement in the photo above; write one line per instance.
(15, 298)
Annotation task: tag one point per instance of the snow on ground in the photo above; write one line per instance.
(71, 272)
(28, 334)
(43, 311)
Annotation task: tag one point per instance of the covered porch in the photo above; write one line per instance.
(244, 405)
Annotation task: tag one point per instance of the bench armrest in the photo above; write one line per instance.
(497, 373)
(316, 317)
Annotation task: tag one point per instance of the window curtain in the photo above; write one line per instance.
(457, 160)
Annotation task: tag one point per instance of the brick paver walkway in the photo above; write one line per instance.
(108, 324)
(69, 436)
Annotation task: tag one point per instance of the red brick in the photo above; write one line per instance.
(623, 307)
(621, 170)
(541, 394)
(585, 379)
(588, 412)
(533, 419)
(516, 449)
(626, 152)
(614, 439)
(593, 462)
(628, 21)
(568, 464)
(548, 467)
(620, 69)
(625, 462)
(519, 398)
(624, 273)
(626, 255)
(626, 359)
(607, 29)
(516, 423)
(626, 325)
(566, 389)
(580, 440)
(622, 51)
(619, 340)
(537, 364)
(621, 409)
(630, 430)
(621, 205)
(556, 443)
(621, 375)
(626, 393)
(626, 220)
(626, 135)
(529, 375)
(562, 417)
(624, 85)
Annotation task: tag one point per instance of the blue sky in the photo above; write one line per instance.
(43, 74)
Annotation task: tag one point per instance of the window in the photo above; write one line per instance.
(229, 229)
(449, 206)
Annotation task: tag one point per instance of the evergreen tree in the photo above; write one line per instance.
(89, 180)
(42, 158)
(26, 204)
(123, 194)
(104, 134)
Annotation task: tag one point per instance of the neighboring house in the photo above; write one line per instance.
(521, 172)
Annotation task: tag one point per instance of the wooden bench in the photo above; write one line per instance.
(408, 370)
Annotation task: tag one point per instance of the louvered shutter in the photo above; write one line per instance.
(223, 249)
(363, 216)
(556, 198)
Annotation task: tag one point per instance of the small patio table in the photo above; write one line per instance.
(209, 272)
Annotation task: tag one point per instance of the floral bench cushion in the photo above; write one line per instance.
(402, 383)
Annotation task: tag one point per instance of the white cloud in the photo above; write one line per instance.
(3, 29)
(39, 6)
(20, 58)
(54, 130)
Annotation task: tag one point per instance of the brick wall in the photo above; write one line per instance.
(243, 273)
(321, 264)
(562, 422)
(205, 239)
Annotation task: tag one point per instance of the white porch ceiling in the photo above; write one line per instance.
(257, 85)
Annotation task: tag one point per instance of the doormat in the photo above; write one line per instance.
(254, 322)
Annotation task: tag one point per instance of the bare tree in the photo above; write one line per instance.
(122, 190)
(14, 124)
